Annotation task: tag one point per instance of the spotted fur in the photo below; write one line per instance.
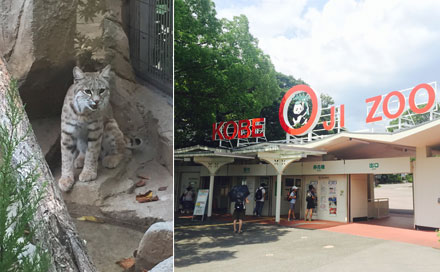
(88, 130)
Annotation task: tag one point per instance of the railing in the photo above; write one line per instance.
(378, 207)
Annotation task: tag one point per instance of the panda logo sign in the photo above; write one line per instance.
(300, 110)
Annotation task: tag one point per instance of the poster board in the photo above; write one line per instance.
(200, 206)
(332, 197)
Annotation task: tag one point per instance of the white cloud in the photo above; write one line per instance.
(350, 49)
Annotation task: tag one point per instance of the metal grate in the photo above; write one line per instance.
(151, 41)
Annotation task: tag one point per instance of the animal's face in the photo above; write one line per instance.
(92, 91)
(298, 108)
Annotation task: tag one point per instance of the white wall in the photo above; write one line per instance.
(426, 190)
(359, 196)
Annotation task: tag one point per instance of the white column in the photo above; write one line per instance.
(211, 190)
(279, 162)
(278, 203)
(213, 164)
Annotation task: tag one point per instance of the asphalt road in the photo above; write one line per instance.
(275, 248)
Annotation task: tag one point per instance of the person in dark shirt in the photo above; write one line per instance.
(310, 199)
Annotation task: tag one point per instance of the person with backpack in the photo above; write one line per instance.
(239, 213)
(292, 200)
(260, 194)
(310, 199)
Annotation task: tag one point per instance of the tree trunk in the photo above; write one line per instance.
(57, 233)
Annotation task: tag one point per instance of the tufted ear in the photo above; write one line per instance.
(105, 73)
(78, 74)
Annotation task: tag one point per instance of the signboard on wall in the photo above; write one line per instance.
(331, 195)
(378, 166)
(200, 207)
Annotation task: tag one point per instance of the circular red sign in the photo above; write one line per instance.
(313, 117)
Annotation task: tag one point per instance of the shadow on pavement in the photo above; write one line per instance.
(199, 242)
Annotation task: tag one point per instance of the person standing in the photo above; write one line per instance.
(239, 213)
(188, 200)
(310, 199)
(292, 201)
(260, 194)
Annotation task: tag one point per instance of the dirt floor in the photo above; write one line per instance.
(108, 244)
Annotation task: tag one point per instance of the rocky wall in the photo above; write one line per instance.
(38, 44)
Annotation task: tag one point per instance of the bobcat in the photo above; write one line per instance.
(88, 130)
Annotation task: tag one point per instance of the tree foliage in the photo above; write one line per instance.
(18, 198)
(220, 73)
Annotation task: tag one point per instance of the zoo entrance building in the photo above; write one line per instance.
(342, 167)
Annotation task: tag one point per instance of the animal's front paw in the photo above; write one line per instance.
(87, 175)
(79, 161)
(65, 183)
(112, 161)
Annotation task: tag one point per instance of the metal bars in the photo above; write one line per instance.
(151, 41)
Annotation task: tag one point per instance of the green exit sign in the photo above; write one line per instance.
(374, 165)
(318, 167)
(246, 170)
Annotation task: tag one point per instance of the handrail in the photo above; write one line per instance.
(378, 206)
(378, 199)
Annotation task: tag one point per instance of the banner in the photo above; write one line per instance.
(202, 198)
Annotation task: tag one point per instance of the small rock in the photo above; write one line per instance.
(163, 188)
(155, 246)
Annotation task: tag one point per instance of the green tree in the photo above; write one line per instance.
(220, 73)
(19, 198)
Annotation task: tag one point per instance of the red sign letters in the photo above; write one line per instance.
(251, 128)
(371, 116)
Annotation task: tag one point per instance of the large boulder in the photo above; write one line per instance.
(164, 266)
(37, 40)
(155, 247)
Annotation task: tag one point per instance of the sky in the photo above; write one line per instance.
(349, 49)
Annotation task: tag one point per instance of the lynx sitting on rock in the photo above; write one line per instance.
(88, 130)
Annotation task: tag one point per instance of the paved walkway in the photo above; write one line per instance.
(301, 246)
(400, 195)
